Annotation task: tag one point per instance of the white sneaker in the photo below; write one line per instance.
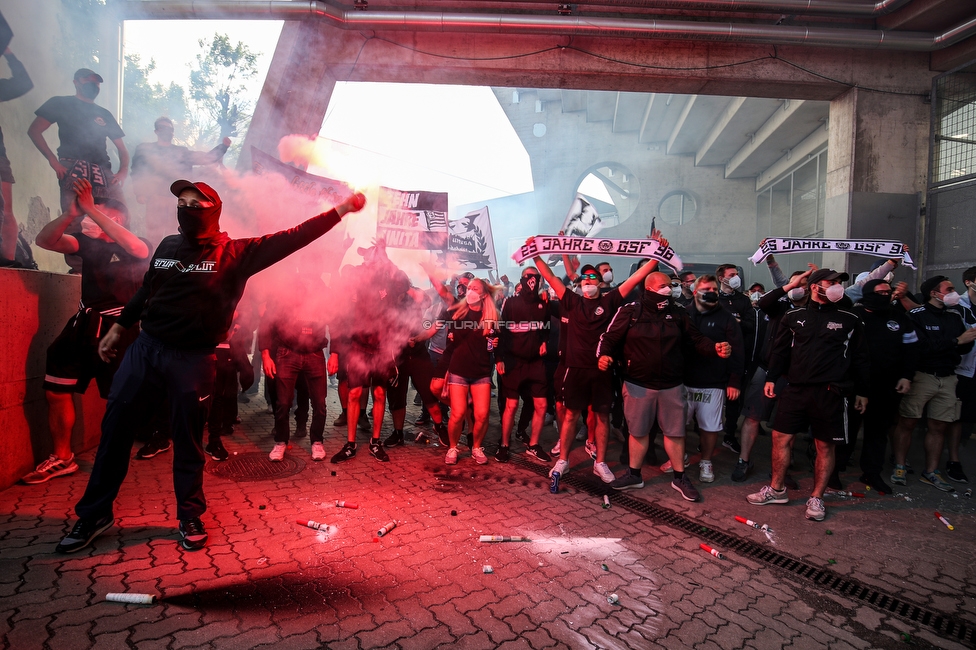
(667, 468)
(318, 451)
(591, 449)
(478, 453)
(555, 450)
(707, 473)
(278, 452)
(561, 466)
(603, 471)
(451, 457)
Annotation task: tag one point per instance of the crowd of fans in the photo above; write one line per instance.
(658, 353)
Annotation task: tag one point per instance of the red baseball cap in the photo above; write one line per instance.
(209, 192)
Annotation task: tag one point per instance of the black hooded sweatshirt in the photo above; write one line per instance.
(192, 287)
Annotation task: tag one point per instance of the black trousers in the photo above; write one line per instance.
(877, 420)
(290, 366)
(150, 372)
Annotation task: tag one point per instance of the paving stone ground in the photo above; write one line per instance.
(264, 581)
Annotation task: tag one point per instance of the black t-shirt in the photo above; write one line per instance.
(110, 276)
(587, 320)
(470, 351)
(82, 128)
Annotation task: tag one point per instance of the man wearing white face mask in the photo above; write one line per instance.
(943, 339)
(820, 349)
(114, 261)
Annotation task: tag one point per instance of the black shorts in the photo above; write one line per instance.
(365, 370)
(816, 407)
(73, 361)
(966, 391)
(524, 376)
(588, 387)
(419, 370)
(557, 383)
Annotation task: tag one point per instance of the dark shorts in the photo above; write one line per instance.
(73, 361)
(6, 173)
(524, 376)
(755, 404)
(417, 369)
(558, 378)
(816, 407)
(966, 391)
(588, 387)
(364, 370)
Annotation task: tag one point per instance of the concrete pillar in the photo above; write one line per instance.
(296, 91)
(877, 164)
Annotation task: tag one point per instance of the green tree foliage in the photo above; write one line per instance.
(81, 23)
(218, 86)
(144, 102)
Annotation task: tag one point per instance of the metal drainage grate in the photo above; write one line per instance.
(256, 466)
(944, 625)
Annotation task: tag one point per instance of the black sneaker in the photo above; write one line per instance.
(423, 420)
(537, 452)
(193, 533)
(342, 420)
(301, 430)
(215, 448)
(627, 482)
(83, 533)
(954, 472)
(376, 449)
(876, 483)
(741, 470)
(523, 437)
(395, 439)
(152, 448)
(348, 451)
(687, 490)
(442, 436)
(502, 454)
(364, 424)
(732, 444)
(416, 400)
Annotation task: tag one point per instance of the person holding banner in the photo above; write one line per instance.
(584, 384)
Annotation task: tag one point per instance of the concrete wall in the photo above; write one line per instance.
(723, 231)
(34, 307)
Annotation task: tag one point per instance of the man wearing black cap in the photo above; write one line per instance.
(82, 129)
(943, 339)
(821, 351)
(186, 305)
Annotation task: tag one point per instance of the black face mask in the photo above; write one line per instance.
(709, 298)
(876, 301)
(198, 223)
(530, 286)
(89, 89)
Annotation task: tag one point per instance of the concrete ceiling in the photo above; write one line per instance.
(745, 135)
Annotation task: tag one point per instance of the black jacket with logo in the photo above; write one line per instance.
(892, 345)
(821, 344)
(651, 340)
(740, 306)
(937, 330)
(188, 296)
